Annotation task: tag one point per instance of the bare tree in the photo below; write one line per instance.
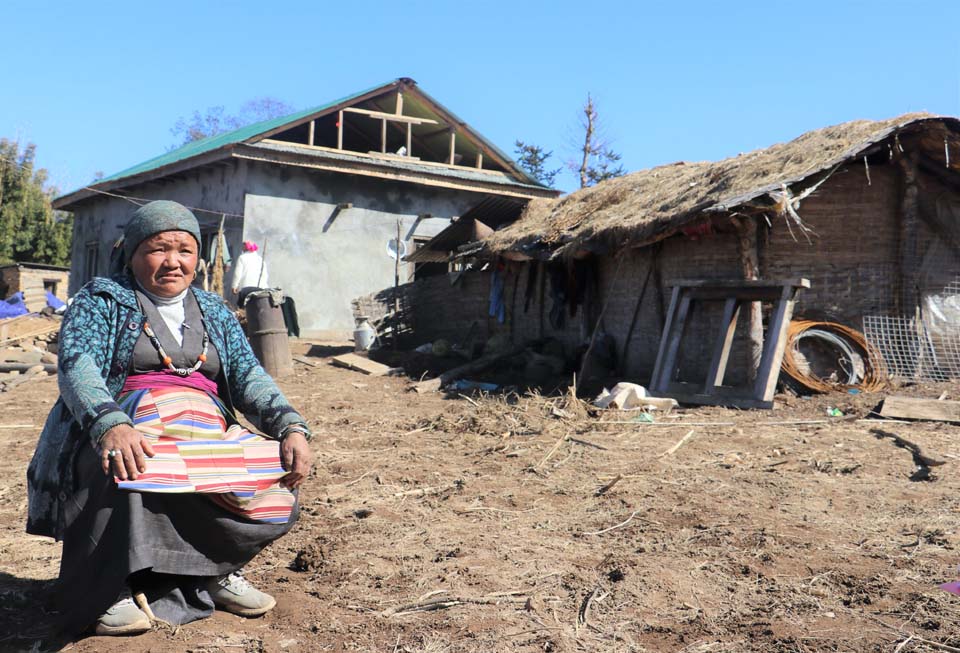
(216, 120)
(597, 161)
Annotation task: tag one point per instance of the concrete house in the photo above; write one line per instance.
(867, 211)
(324, 192)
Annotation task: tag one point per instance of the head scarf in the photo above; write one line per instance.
(249, 246)
(154, 218)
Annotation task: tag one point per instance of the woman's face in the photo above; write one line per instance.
(165, 263)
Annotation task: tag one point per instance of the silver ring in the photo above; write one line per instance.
(113, 453)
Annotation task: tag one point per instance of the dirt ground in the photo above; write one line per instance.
(435, 524)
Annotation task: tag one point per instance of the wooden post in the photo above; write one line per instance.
(541, 283)
(453, 144)
(747, 248)
(660, 379)
(396, 288)
(399, 103)
(340, 131)
(218, 263)
(765, 383)
(313, 128)
(409, 139)
(479, 160)
(383, 136)
(908, 298)
(721, 350)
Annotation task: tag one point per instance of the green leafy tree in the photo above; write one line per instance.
(216, 120)
(533, 159)
(30, 230)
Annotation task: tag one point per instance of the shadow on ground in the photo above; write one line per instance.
(26, 615)
(322, 351)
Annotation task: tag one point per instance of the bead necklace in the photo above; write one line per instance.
(181, 371)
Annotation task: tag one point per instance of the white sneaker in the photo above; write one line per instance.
(123, 618)
(234, 594)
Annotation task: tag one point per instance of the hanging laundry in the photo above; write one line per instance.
(498, 307)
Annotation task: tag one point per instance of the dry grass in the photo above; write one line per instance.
(750, 537)
(645, 206)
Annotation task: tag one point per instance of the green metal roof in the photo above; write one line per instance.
(251, 132)
(240, 135)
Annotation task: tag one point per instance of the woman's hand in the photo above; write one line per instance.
(297, 459)
(130, 447)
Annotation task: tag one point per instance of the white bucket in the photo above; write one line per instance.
(363, 336)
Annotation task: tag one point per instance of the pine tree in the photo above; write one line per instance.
(533, 159)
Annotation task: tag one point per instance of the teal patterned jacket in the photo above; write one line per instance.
(97, 339)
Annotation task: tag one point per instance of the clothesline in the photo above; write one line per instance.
(140, 201)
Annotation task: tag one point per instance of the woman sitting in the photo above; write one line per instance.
(142, 468)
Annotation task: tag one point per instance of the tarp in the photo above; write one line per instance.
(13, 306)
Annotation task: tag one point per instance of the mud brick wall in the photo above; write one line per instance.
(851, 261)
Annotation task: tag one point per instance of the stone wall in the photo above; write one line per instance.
(14, 278)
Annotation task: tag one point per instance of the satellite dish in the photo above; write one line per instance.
(392, 249)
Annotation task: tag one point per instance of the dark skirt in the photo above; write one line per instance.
(167, 545)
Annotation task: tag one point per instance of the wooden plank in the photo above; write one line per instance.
(774, 343)
(934, 410)
(383, 136)
(700, 399)
(383, 115)
(493, 174)
(340, 131)
(453, 145)
(423, 177)
(307, 361)
(721, 352)
(312, 132)
(736, 397)
(479, 160)
(664, 339)
(360, 364)
(739, 283)
(409, 140)
(669, 371)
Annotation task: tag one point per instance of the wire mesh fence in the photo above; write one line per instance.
(926, 344)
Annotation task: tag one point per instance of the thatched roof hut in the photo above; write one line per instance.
(646, 206)
(868, 212)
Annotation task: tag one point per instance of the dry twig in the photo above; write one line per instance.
(679, 444)
(424, 491)
(451, 602)
(607, 530)
(609, 485)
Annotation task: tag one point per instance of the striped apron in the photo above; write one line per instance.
(196, 452)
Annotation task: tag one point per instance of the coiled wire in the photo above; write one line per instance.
(850, 342)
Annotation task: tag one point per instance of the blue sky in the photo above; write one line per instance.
(98, 85)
